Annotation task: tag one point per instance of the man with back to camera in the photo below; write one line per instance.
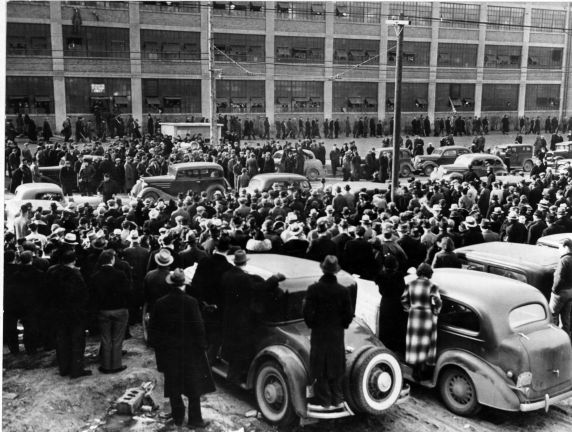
(561, 297)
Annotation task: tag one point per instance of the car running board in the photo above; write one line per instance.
(318, 412)
(221, 369)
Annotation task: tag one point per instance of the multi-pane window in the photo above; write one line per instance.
(457, 55)
(353, 51)
(544, 58)
(361, 12)
(460, 15)
(293, 49)
(28, 39)
(414, 53)
(170, 45)
(171, 6)
(301, 10)
(33, 95)
(548, 20)
(413, 96)
(239, 47)
(505, 18)
(500, 97)
(298, 96)
(502, 56)
(418, 12)
(542, 96)
(102, 4)
(172, 95)
(459, 96)
(238, 96)
(354, 97)
(96, 42)
(239, 8)
(107, 95)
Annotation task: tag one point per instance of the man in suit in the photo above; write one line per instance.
(154, 285)
(242, 314)
(111, 292)
(322, 246)
(137, 257)
(177, 333)
(359, 256)
(536, 227)
(328, 312)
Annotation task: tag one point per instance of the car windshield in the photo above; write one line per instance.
(526, 314)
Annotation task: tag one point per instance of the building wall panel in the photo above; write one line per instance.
(512, 75)
(29, 9)
(544, 75)
(242, 23)
(355, 29)
(300, 26)
(548, 38)
(28, 66)
(173, 20)
(170, 67)
(298, 71)
(96, 65)
(459, 34)
(503, 36)
(452, 74)
(371, 74)
(97, 15)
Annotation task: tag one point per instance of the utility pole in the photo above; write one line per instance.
(214, 74)
(399, 26)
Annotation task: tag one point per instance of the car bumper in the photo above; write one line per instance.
(545, 403)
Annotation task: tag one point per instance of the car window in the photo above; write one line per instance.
(473, 266)
(51, 196)
(457, 315)
(477, 163)
(449, 153)
(189, 173)
(526, 314)
(286, 306)
(512, 274)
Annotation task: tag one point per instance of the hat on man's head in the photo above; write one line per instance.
(134, 236)
(403, 228)
(99, 243)
(240, 257)
(164, 258)
(497, 210)
(470, 221)
(512, 216)
(330, 265)
(70, 239)
(176, 277)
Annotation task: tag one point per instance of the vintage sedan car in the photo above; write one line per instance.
(278, 373)
(563, 150)
(41, 195)
(426, 164)
(554, 240)
(313, 168)
(496, 344)
(406, 167)
(180, 178)
(277, 181)
(51, 174)
(562, 166)
(523, 262)
(479, 162)
(519, 155)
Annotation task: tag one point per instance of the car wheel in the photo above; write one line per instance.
(313, 174)
(145, 322)
(458, 392)
(376, 381)
(527, 166)
(405, 171)
(428, 170)
(153, 196)
(273, 394)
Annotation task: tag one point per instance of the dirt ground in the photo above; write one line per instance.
(36, 399)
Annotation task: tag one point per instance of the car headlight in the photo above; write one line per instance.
(524, 379)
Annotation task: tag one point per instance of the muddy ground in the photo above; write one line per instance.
(36, 399)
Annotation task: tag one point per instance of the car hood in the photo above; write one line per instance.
(453, 167)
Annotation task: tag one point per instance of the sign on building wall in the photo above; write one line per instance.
(97, 88)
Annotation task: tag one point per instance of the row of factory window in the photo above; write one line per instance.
(455, 15)
(33, 39)
(35, 95)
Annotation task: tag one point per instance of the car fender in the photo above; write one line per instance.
(313, 165)
(492, 388)
(294, 369)
(161, 193)
(425, 164)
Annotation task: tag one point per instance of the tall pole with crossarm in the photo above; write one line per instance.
(213, 76)
(399, 26)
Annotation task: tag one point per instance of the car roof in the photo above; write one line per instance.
(279, 176)
(40, 187)
(305, 151)
(482, 290)
(554, 240)
(453, 147)
(513, 145)
(185, 165)
(516, 254)
(474, 156)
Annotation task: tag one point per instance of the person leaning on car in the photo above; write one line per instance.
(327, 312)
(561, 297)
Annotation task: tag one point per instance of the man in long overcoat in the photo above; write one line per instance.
(178, 335)
(328, 312)
(242, 315)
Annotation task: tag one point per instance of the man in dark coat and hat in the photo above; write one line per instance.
(328, 312)
(178, 335)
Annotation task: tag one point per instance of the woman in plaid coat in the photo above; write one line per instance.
(423, 303)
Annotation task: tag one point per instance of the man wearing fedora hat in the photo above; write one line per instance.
(328, 312)
(244, 294)
(154, 285)
(177, 333)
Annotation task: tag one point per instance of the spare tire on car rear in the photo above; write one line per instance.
(376, 381)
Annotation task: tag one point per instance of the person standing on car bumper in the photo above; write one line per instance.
(561, 297)
(328, 312)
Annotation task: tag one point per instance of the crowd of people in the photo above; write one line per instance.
(96, 266)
